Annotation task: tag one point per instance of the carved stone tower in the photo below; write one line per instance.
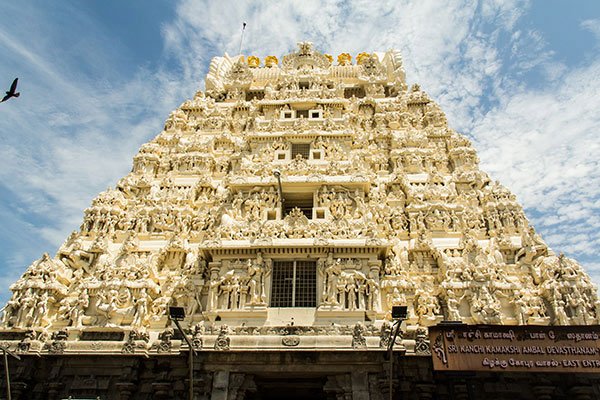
(289, 207)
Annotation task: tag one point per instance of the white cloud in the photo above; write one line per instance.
(69, 135)
(543, 145)
(593, 26)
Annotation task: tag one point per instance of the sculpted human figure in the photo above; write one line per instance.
(351, 291)
(532, 246)
(191, 261)
(332, 272)
(362, 291)
(193, 299)
(10, 309)
(372, 292)
(522, 309)
(107, 304)
(41, 309)
(77, 311)
(427, 305)
(453, 305)
(75, 256)
(234, 292)
(256, 291)
(159, 306)
(559, 312)
(140, 309)
(340, 292)
(26, 308)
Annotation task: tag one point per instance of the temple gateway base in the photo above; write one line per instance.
(356, 375)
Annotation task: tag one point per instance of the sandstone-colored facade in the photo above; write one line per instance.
(289, 207)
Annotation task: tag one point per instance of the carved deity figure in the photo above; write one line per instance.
(26, 309)
(140, 309)
(213, 291)
(332, 275)
(10, 309)
(193, 299)
(76, 312)
(453, 305)
(256, 289)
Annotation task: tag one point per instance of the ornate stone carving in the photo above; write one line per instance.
(59, 342)
(422, 342)
(223, 341)
(339, 165)
(165, 344)
(358, 338)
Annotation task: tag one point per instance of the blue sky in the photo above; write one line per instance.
(98, 79)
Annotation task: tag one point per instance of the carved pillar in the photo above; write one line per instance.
(543, 392)
(360, 385)
(582, 392)
(425, 391)
(375, 388)
(161, 390)
(383, 383)
(460, 391)
(202, 385)
(235, 383)
(18, 390)
(338, 387)
(220, 385)
(54, 390)
(125, 390)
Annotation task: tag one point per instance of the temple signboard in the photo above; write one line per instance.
(460, 347)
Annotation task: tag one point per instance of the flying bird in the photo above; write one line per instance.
(11, 92)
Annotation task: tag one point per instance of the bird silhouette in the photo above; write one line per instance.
(11, 92)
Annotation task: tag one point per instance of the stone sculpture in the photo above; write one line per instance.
(376, 189)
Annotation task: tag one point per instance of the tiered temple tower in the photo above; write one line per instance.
(289, 206)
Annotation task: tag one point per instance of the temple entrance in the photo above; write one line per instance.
(288, 388)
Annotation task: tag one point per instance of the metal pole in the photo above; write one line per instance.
(391, 371)
(242, 38)
(8, 395)
(391, 355)
(191, 359)
(280, 191)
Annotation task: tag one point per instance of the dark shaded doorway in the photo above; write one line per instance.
(292, 388)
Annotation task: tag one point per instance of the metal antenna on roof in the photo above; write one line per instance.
(242, 38)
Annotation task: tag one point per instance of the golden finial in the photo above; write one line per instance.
(360, 58)
(344, 59)
(271, 61)
(329, 57)
(253, 61)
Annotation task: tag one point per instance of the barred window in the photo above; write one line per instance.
(303, 201)
(294, 284)
(300, 148)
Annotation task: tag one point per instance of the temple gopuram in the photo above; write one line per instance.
(287, 208)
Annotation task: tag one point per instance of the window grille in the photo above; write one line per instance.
(294, 284)
(301, 148)
(255, 94)
(358, 92)
(301, 113)
(303, 201)
(315, 114)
